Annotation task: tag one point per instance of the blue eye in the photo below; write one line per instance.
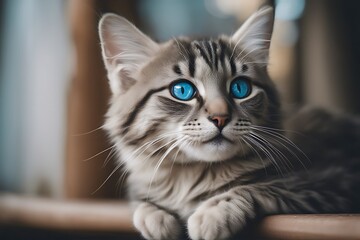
(182, 90)
(240, 88)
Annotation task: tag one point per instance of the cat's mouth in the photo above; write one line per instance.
(217, 140)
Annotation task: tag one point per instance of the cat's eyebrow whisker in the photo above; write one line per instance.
(247, 54)
(235, 46)
(247, 35)
(179, 47)
(245, 48)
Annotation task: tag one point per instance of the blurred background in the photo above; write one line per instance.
(54, 92)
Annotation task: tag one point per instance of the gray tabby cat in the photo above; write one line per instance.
(197, 125)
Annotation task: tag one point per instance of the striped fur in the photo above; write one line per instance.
(183, 170)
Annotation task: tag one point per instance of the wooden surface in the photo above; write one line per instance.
(75, 215)
(115, 216)
(311, 226)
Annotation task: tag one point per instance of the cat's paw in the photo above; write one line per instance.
(220, 217)
(154, 223)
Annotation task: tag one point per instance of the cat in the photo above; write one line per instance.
(198, 127)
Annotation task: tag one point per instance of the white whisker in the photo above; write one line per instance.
(89, 132)
(160, 161)
(85, 160)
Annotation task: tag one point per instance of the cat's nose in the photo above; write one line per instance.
(219, 120)
(218, 111)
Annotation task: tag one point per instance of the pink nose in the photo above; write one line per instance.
(219, 120)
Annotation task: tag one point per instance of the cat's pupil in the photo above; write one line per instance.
(182, 90)
(238, 87)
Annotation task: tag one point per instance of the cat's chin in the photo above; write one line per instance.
(211, 151)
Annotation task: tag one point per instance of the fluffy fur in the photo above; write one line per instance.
(187, 174)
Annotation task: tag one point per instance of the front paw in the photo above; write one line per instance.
(155, 223)
(219, 218)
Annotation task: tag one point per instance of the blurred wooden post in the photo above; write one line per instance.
(88, 96)
(87, 102)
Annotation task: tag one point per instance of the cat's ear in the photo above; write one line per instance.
(124, 49)
(255, 34)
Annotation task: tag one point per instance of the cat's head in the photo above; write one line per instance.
(199, 98)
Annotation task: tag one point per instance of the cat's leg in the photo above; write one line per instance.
(223, 215)
(155, 223)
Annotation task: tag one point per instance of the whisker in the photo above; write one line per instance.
(89, 132)
(111, 154)
(155, 142)
(267, 154)
(121, 180)
(85, 160)
(179, 47)
(256, 152)
(110, 175)
(278, 138)
(176, 155)
(176, 143)
(283, 138)
(275, 151)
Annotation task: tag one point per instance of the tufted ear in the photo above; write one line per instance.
(124, 50)
(255, 34)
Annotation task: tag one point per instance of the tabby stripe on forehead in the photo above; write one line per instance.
(139, 106)
(190, 56)
(203, 54)
(208, 48)
(214, 46)
(225, 51)
(191, 64)
(232, 66)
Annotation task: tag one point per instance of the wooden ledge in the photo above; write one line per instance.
(311, 226)
(112, 216)
(115, 216)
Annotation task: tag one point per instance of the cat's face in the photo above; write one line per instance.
(193, 100)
